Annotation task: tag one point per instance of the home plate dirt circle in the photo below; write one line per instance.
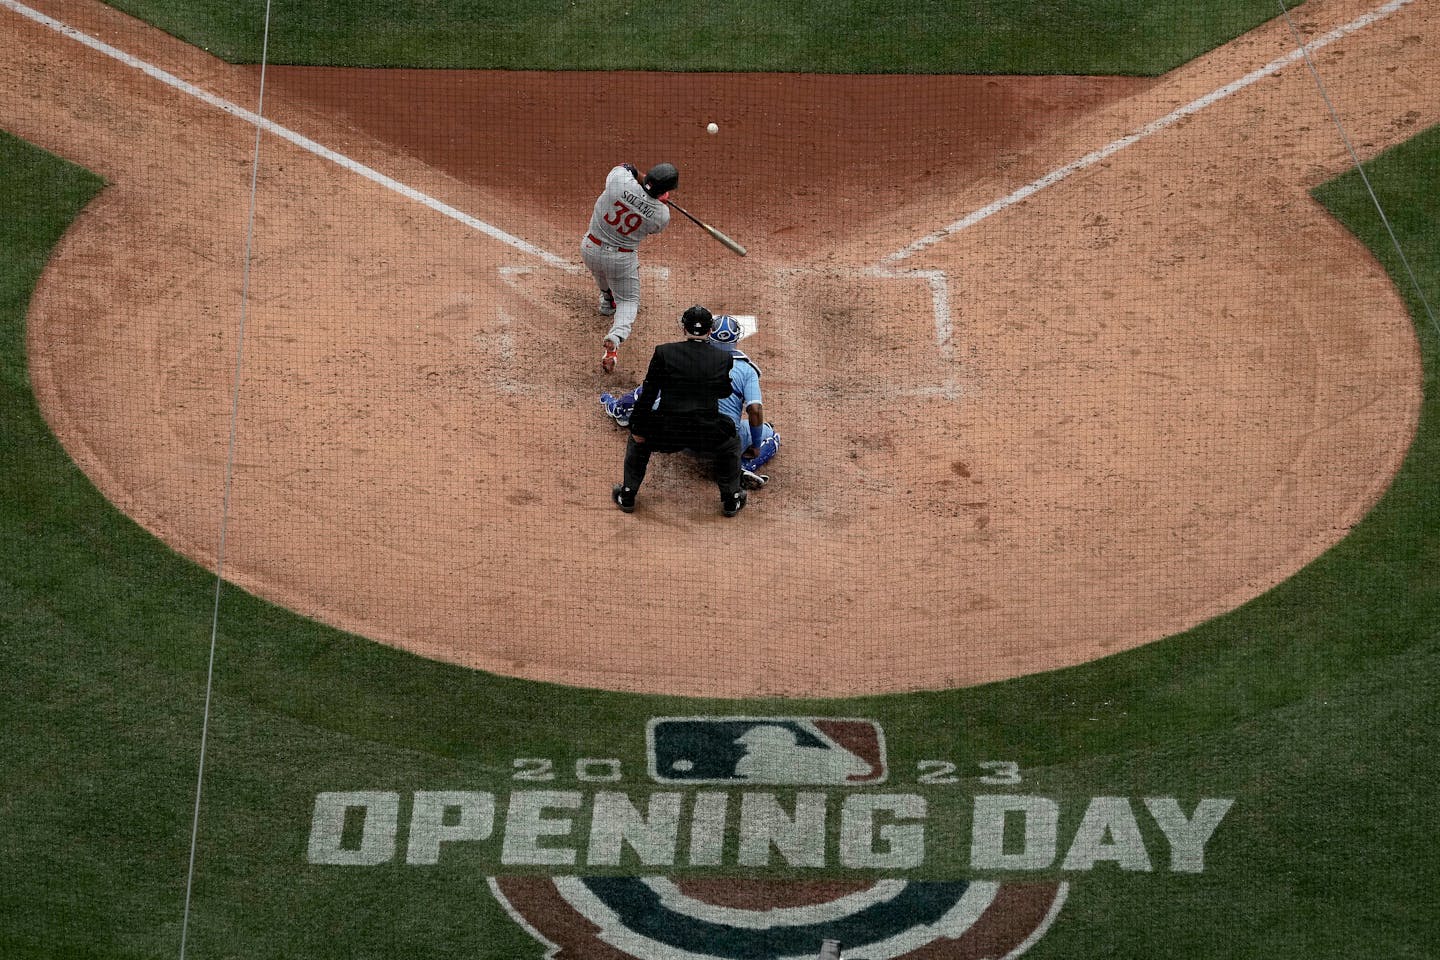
(1122, 407)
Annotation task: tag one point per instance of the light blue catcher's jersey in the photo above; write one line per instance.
(744, 390)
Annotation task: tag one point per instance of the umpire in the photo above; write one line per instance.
(689, 377)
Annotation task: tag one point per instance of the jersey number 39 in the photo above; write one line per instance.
(623, 219)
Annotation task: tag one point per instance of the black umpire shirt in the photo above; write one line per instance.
(691, 377)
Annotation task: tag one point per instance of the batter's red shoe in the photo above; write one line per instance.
(607, 362)
(607, 303)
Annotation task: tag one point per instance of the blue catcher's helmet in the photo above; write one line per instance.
(726, 330)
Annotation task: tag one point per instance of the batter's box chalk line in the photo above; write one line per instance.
(510, 271)
(936, 280)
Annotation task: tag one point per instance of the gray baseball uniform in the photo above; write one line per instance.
(624, 215)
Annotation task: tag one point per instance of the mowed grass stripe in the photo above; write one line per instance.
(1097, 37)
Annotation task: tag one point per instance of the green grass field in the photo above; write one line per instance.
(833, 36)
(1316, 706)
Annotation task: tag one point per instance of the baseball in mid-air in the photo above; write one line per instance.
(712, 128)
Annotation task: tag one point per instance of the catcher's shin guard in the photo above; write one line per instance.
(618, 408)
(613, 409)
(768, 446)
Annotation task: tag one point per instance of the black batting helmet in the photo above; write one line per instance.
(661, 178)
(697, 321)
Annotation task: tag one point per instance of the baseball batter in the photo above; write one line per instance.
(629, 210)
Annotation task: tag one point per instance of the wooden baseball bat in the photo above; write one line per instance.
(709, 229)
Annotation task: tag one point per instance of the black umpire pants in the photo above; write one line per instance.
(716, 442)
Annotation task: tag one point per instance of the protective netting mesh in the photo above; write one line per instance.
(1060, 365)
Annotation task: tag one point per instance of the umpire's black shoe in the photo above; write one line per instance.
(733, 505)
(618, 494)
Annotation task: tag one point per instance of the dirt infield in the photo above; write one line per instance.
(1107, 413)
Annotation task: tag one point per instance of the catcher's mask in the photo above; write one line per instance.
(661, 178)
(726, 330)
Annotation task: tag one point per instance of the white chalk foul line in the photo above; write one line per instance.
(1154, 126)
(284, 133)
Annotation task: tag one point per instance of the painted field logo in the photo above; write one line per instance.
(655, 918)
(809, 751)
(628, 870)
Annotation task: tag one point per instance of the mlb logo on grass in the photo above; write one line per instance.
(802, 751)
